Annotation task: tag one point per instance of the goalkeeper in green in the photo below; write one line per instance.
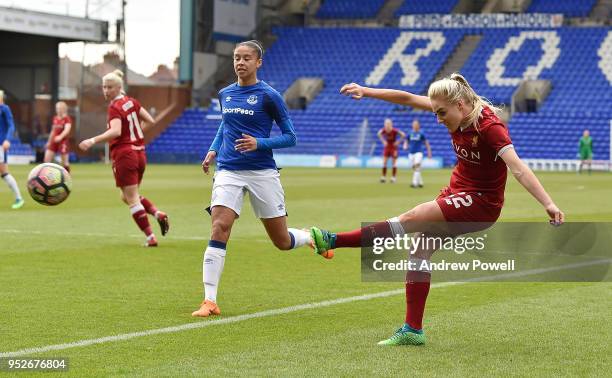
(585, 150)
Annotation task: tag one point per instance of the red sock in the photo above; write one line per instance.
(417, 289)
(363, 237)
(148, 205)
(141, 219)
(394, 171)
(67, 167)
(384, 171)
(349, 239)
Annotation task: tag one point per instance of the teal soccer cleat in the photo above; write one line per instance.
(404, 336)
(18, 204)
(322, 240)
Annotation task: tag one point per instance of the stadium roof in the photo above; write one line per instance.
(52, 25)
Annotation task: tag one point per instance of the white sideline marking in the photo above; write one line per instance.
(100, 234)
(279, 311)
(95, 234)
(195, 325)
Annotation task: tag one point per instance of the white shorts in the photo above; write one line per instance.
(264, 187)
(415, 158)
(3, 156)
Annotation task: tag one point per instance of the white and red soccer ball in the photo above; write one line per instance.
(49, 184)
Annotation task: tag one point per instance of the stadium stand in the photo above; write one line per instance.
(329, 53)
(326, 53)
(349, 9)
(574, 8)
(424, 7)
(538, 136)
(572, 67)
(187, 139)
(18, 148)
(572, 58)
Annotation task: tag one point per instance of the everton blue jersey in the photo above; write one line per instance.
(250, 110)
(7, 127)
(417, 139)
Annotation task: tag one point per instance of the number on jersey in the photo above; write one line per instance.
(459, 201)
(134, 124)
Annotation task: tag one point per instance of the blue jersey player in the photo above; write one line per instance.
(7, 128)
(414, 143)
(245, 164)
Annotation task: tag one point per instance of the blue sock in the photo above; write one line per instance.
(217, 244)
(292, 237)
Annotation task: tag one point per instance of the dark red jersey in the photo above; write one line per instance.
(390, 136)
(126, 109)
(59, 123)
(479, 165)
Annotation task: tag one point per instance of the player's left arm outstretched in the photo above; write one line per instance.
(529, 181)
(112, 132)
(394, 96)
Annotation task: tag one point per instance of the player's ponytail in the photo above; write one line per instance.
(455, 88)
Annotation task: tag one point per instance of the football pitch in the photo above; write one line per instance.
(75, 283)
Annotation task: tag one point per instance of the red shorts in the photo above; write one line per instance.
(61, 147)
(468, 207)
(390, 152)
(128, 166)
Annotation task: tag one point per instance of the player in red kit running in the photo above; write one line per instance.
(388, 136)
(475, 193)
(58, 138)
(127, 121)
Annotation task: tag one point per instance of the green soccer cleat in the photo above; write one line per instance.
(18, 204)
(404, 337)
(322, 240)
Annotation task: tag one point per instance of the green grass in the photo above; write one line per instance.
(78, 272)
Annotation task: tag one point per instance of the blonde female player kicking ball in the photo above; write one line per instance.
(127, 121)
(245, 163)
(475, 194)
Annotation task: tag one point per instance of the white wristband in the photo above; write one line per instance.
(92, 140)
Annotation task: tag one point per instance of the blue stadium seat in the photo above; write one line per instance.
(349, 9)
(332, 123)
(18, 148)
(573, 8)
(425, 7)
(577, 80)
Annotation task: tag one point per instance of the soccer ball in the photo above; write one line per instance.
(49, 184)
